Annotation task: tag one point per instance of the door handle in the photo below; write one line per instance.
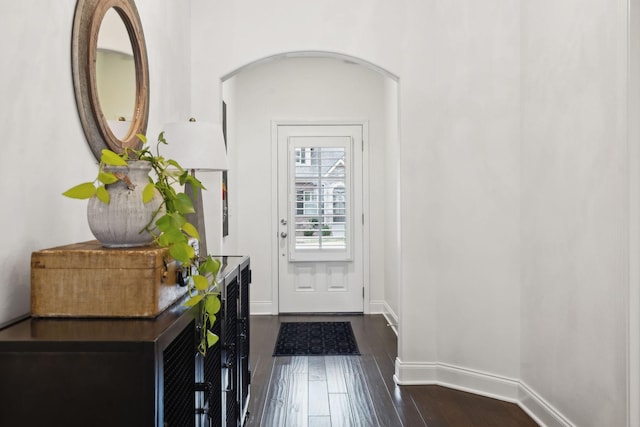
(283, 221)
(283, 234)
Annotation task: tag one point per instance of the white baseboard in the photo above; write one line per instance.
(376, 307)
(381, 307)
(261, 308)
(463, 379)
(481, 383)
(541, 410)
(413, 373)
(392, 318)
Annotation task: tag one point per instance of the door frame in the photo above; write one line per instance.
(275, 289)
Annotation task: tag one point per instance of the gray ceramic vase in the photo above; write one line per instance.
(122, 222)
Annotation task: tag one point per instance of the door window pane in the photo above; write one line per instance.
(321, 200)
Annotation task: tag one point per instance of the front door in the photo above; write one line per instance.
(320, 196)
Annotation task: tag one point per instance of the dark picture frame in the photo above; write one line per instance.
(225, 188)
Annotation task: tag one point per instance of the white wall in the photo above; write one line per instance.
(44, 148)
(392, 187)
(470, 268)
(468, 162)
(575, 207)
(633, 137)
(299, 89)
(40, 128)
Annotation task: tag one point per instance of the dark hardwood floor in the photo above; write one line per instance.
(356, 391)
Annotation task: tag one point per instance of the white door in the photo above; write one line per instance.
(320, 196)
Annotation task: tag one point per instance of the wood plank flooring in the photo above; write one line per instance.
(356, 391)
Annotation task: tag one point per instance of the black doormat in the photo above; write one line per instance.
(315, 339)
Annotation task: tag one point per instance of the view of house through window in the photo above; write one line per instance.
(321, 204)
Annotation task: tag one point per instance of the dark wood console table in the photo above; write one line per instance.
(130, 372)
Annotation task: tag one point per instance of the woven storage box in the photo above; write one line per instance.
(89, 280)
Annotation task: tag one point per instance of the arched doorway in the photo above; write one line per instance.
(310, 87)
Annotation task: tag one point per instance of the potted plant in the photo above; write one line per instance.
(118, 182)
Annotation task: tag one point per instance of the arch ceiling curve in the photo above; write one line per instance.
(313, 54)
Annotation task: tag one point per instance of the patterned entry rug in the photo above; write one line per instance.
(315, 339)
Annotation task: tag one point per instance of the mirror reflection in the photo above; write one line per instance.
(115, 74)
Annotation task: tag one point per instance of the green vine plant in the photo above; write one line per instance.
(168, 226)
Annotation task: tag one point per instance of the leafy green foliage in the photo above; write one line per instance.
(107, 177)
(148, 192)
(209, 302)
(193, 300)
(211, 338)
(191, 230)
(200, 283)
(102, 194)
(174, 231)
(169, 225)
(111, 158)
(86, 190)
(182, 252)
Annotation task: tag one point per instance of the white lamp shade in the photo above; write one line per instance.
(195, 145)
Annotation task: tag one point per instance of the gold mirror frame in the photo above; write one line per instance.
(84, 45)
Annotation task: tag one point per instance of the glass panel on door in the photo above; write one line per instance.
(319, 179)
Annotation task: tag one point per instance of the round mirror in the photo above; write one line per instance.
(116, 74)
(110, 74)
